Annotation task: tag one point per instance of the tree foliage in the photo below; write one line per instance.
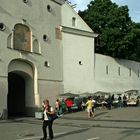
(119, 36)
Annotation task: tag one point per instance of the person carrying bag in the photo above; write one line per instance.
(49, 117)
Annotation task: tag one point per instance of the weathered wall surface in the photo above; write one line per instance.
(116, 74)
(45, 55)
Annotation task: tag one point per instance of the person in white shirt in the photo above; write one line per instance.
(47, 122)
(93, 105)
(57, 106)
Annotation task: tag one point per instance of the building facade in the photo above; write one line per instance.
(116, 75)
(30, 54)
(78, 52)
(46, 49)
(87, 72)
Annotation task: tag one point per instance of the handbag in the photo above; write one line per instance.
(52, 117)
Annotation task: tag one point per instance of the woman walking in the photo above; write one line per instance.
(47, 122)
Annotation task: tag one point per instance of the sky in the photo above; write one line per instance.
(133, 5)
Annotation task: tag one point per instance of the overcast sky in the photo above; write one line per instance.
(133, 5)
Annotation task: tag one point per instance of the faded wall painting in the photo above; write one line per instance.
(22, 38)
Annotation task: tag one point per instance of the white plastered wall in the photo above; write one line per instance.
(119, 77)
(40, 21)
(78, 78)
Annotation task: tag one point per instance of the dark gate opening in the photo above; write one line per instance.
(16, 95)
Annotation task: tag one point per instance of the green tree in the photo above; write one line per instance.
(118, 35)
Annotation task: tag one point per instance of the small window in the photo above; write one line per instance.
(138, 73)
(45, 37)
(80, 63)
(2, 27)
(49, 8)
(107, 69)
(73, 21)
(119, 71)
(46, 64)
(25, 1)
(130, 72)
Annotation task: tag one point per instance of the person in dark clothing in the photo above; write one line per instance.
(109, 102)
(124, 101)
(119, 101)
(112, 100)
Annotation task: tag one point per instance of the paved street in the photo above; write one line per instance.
(115, 124)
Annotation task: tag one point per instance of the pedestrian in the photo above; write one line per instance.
(109, 102)
(89, 108)
(93, 105)
(83, 105)
(57, 106)
(63, 106)
(112, 100)
(124, 101)
(43, 104)
(119, 101)
(69, 104)
(47, 121)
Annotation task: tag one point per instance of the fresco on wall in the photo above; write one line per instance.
(22, 38)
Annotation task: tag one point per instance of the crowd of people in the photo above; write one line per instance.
(65, 106)
(110, 102)
(61, 107)
(50, 114)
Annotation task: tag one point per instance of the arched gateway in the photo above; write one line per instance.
(22, 88)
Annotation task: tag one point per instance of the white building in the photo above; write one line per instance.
(78, 52)
(30, 54)
(85, 71)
